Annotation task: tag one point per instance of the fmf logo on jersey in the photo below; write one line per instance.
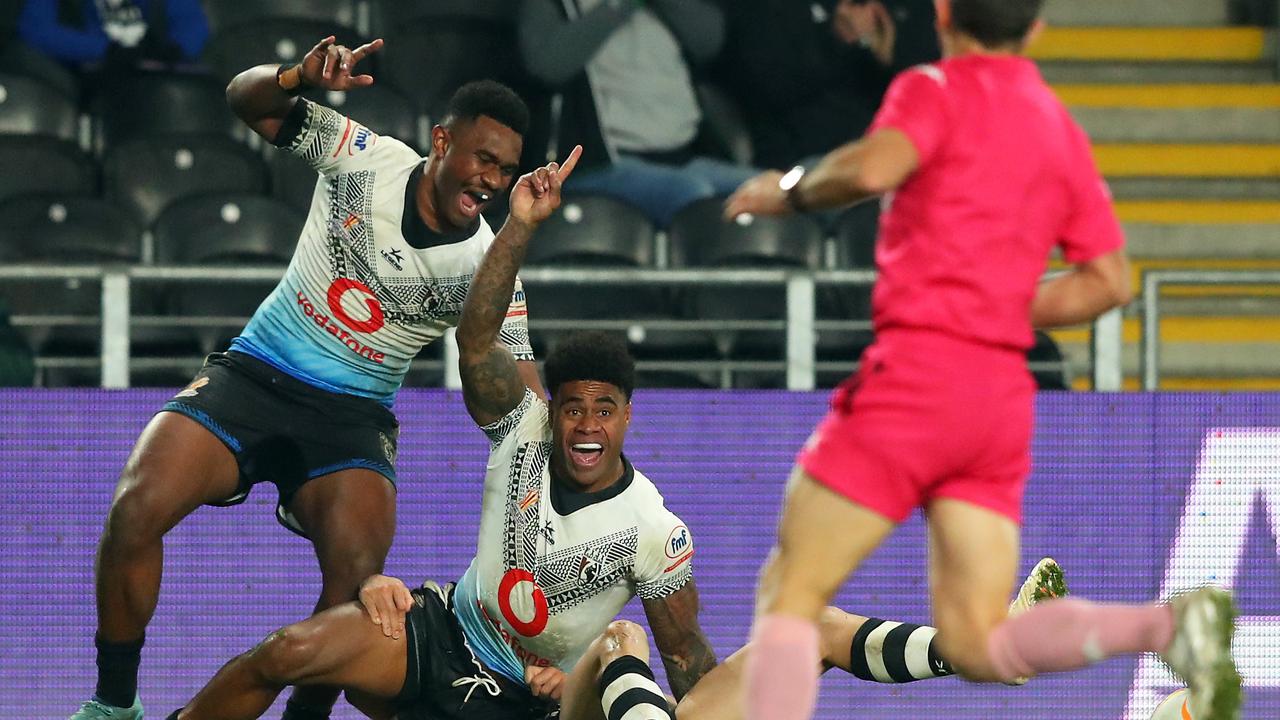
(678, 542)
(361, 140)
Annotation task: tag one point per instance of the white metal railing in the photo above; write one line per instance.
(800, 325)
(1154, 280)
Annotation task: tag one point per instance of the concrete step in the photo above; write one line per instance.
(1228, 348)
(1224, 160)
(1167, 113)
(1200, 229)
(1076, 71)
(1137, 12)
(1195, 188)
(1139, 44)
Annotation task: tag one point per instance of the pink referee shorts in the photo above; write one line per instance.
(928, 416)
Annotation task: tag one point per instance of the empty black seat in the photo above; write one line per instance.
(64, 229)
(293, 180)
(73, 229)
(269, 40)
(378, 107)
(30, 107)
(224, 229)
(701, 238)
(855, 233)
(147, 105)
(36, 164)
(223, 14)
(429, 59)
(21, 59)
(147, 174)
(1049, 367)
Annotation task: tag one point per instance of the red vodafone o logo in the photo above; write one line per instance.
(510, 581)
(341, 287)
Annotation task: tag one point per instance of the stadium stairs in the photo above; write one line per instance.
(1184, 112)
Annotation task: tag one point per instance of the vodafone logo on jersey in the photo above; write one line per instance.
(518, 585)
(349, 301)
(343, 287)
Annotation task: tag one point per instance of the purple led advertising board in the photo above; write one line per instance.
(1137, 495)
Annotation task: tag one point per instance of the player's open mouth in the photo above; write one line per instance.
(471, 201)
(586, 454)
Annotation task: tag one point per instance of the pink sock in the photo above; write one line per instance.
(1069, 633)
(782, 669)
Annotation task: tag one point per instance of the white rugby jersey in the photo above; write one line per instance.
(369, 284)
(553, 567)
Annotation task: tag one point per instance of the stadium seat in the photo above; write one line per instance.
(30, 107)
(456, 51)
(147, 174)
(51, 227)
(701, 238)
(223, 14)
(46, 164)
(293, 181)
(223, 229)
(64, 229)
(593, 231)
(855, 233)
(388, 15)
(226, 228)
(378, 107)
(21, 59)
(273, 41)
(1048, 365)
(147, 105)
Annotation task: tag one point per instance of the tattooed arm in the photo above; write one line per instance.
(686, 654)
(492, 385)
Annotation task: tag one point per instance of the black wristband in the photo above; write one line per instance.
(289, 78)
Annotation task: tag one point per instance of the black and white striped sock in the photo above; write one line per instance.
(893, 652)
(629, 692)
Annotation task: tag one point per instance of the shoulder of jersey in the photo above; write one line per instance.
(932, 71)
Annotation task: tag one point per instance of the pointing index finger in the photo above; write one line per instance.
(367, 49)
(570, 163)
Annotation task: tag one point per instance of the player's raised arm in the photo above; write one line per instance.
(491, 383)
(263, 96)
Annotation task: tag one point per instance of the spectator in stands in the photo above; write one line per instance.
(811, 75)
(619, 72)
(109, 34)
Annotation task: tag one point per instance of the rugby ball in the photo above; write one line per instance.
(1174, 707)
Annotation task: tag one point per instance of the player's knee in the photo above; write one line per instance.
(832, 634)
(623, 637)
(282, 657)
(137, 516)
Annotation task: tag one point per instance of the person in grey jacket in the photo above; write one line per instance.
(617, 79)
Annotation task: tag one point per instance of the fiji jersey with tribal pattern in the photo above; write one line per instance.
(553, 567)
(369, 284)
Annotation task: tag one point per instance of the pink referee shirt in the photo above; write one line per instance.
(1005, 174)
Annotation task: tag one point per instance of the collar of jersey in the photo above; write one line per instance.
(566, 500)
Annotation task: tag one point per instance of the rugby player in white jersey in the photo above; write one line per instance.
(569, 533)
(303, 397)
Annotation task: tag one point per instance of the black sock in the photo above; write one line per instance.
(294, 710)
(633, 687)
(118, 671)
(888, 658)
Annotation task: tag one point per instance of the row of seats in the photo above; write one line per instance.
(163, 188)
(144, 176)
(150, 105)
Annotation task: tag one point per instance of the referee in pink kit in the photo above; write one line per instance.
(984, 173)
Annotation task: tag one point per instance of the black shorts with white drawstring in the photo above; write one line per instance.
(444, 680)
